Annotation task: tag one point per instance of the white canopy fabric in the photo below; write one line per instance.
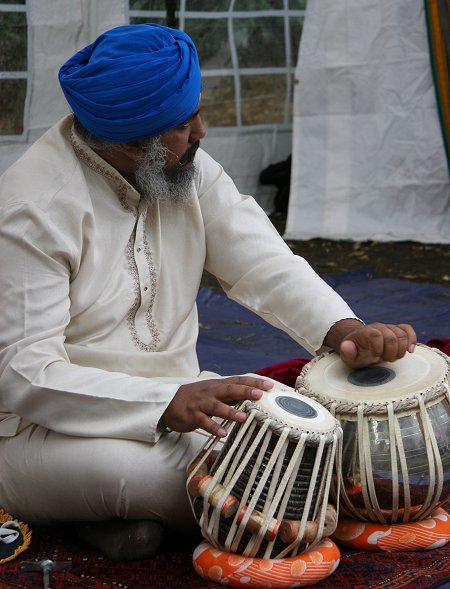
(368, 159)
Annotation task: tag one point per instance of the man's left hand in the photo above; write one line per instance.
(361, 345)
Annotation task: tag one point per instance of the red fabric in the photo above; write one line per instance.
(440, 344)
(285, 372)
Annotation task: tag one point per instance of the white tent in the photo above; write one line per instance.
(368, 152)
(368, 156)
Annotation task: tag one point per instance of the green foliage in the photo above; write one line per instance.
(147, 5)
(13, 58)
(13, 41)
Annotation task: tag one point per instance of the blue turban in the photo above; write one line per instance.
(134, 81)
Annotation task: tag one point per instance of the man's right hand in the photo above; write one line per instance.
(195, 404)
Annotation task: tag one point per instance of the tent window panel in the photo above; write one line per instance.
(296, 28)
(12, 100)
(258, 5)
(218, 105)
(212, 5)
(260, 42)
(138, 20)
(211, 39)
(147, 5)
(13, 41)
(297, 4)
(262, 99)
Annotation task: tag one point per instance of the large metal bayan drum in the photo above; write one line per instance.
(264, 494)
(396, 432)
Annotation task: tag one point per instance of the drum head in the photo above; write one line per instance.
(389, 381)
(294, 410)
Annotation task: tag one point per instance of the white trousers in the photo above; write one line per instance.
(48, 478)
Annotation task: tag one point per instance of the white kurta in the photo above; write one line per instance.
(99, 322)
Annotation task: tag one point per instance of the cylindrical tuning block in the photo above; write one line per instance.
(200, 485)
(256, 521)
(289, 528)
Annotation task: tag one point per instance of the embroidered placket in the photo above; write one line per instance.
(143, 273)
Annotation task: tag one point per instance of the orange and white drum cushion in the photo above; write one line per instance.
(432, 532)
(233, 570)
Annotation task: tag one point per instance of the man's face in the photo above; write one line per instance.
(182, 142)
(165, 169)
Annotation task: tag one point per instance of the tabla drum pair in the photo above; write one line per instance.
(374, 440)
(261, 498)
(396, 442)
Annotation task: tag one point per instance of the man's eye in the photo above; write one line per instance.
(187, 123)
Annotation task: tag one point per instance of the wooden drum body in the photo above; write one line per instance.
(265, 493)
(396, 432)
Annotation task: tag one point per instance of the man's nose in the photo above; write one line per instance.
(198, 130)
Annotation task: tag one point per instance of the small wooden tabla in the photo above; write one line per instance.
(265, 493)
(396, 432)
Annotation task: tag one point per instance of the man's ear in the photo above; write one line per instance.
(134, 148)
(129, 150)
(125, 158)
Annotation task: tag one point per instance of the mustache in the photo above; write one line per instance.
(189, 155)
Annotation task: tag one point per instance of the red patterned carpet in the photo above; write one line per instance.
(172, 568)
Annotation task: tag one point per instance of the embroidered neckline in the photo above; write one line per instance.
(100, 166)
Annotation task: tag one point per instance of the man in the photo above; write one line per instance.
(107, 224)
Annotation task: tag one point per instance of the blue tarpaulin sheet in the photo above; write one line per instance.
(234, 340)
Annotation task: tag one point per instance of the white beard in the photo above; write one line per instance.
(155, 183)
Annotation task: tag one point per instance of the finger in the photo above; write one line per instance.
(372, 343)
(217, 429)
(212, 407)
(235, 393)
(230, 413)
(348, 352)
(212, 427)
(392, 344)
(231, 393)
(369, 346)
(250, 381)
(410, 334)
(404, 341)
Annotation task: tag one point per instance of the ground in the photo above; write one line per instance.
(408, 260)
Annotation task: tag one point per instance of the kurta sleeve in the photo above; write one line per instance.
(257, 269)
